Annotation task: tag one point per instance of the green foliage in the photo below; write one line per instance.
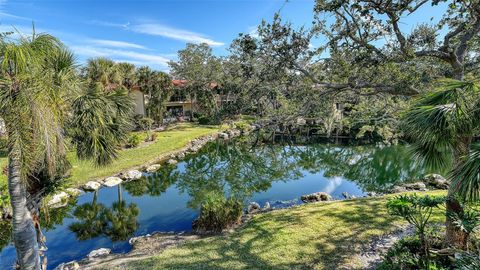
(417, 211)
(203, 120)
(218, 213)
(438, 122)
(468, 261)
(158, 88)
(466, 177)
(133, 141)
(100, 123)
(403, 255)
(4, 196)
(146, 123)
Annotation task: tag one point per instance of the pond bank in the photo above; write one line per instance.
(171, 145)
(326, 235)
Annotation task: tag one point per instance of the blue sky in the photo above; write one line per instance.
(151, 32)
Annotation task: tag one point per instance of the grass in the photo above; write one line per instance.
(167, 141)
(312, 236)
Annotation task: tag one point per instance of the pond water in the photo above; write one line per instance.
(170, 199)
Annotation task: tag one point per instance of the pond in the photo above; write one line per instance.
(170, 199)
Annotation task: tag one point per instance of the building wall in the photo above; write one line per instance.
(139, 100)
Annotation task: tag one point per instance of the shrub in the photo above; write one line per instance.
(402, 255)
(145, 123)
(417, 211)
(218, 213)
(468, 261)
(133, 141)
(203, 120)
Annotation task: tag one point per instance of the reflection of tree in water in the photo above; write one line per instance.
(239, 170)
(91, 219)
(117, 222)
(121, 219)
(154, 184)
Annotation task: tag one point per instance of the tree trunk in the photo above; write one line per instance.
(454, 236)
(24, 234)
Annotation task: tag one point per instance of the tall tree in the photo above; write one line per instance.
(200, 69)
(158, 87)
(38, 90)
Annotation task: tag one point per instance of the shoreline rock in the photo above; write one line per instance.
(316, 197)
(112, 181)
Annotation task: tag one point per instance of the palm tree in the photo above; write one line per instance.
(103, 71)
(31, 92)
(38, 91)
(442, 125)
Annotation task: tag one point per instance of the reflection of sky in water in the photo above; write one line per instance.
(169, 211)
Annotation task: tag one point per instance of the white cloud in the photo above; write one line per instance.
(104, 23)
(121, 55)
(173, 33)
(4, 15)
(116, 44)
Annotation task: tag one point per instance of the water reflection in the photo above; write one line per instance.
(118, 222)
(169, 199)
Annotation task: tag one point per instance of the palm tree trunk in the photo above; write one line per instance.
(24, 234)
(454, 236)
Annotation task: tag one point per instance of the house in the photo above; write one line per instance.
(179, 104)
(139, 98)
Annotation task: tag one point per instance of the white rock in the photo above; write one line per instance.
(153, 168)
(133, 175)
(99, 253)
(58, 198)
(223, 135)
(266, 206)
(301, 121)
(91, 186)
(112, 181)
(172, 162)
(253, 207)
(181, 155)
(74, 191)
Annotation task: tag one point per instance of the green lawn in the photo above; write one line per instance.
(167, 141)
(312, 236)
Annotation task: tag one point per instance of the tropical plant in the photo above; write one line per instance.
(100, 123)
(218, 213)
(146, 125)
(39, 91)
(133, 141)
(441, 126)
(417, 211)
(32, 92)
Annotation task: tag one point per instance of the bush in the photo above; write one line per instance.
(133, 141)
(468, 261)
(218, 213)
(145, 123)
(203, 120)
(403, 255)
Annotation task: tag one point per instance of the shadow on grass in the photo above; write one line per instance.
(320, 236)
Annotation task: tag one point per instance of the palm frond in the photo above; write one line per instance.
(466, 177)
